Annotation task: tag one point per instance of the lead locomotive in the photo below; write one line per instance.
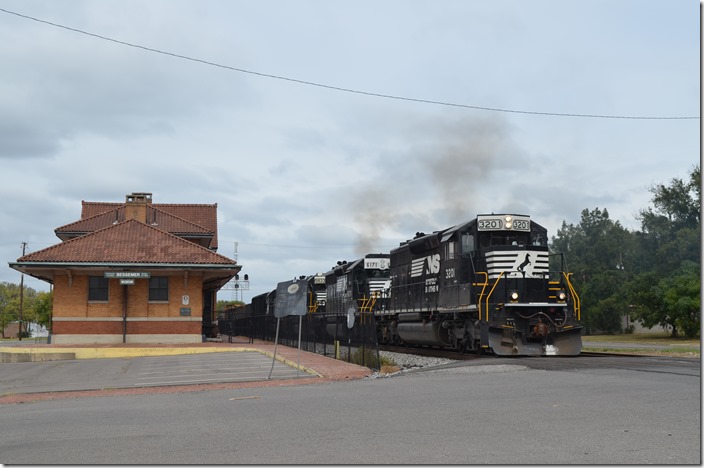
(485, 284)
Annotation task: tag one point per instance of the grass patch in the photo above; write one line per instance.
(675, 347)
(643, 338)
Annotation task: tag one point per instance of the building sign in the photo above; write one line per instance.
(185, 311)
(127, 274)
(127, 281)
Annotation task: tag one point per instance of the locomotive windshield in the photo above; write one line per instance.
(490, 239)
(378, 273)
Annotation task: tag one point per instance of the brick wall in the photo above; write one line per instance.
(73, 314)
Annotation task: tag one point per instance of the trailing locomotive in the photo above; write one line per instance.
(489, 284)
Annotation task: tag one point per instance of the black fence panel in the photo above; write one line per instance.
(321, 333)
(235, 330)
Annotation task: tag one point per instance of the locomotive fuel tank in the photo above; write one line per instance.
(424, 333)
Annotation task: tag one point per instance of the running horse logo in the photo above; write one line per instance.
(525, 263)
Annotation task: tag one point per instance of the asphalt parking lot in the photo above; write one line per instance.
(100, 374)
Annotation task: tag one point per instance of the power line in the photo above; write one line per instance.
(346, 90)
(310, 246)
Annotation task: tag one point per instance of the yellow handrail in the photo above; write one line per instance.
(575, 296)
(481, 294)
(367, 304)
(313, 307)
(490, 293)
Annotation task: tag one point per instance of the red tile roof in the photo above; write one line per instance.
(128, 242)
(156, 217)
(202, 215)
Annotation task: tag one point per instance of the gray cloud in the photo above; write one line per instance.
(305, 176)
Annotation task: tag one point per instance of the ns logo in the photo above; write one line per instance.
(429, 265)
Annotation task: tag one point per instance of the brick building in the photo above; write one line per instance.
(133, 272)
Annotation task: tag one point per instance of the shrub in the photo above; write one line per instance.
(369, 357)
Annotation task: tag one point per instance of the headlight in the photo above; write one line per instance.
(514, 296)
(509, 223)
(561, 296)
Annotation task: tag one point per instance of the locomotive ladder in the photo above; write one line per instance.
(313, 307)
(481, 294)
(367, 304)
(485, 298)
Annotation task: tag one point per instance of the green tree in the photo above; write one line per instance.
(670, 301)
(42, 308)
(10, 304)
(599, 252)
(664, 291)
(682, 299)
(670, 228)
(222, 305)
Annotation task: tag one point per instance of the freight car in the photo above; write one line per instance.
(489, 284)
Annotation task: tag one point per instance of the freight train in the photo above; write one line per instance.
(486, 285)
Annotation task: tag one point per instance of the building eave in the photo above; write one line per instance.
(216, 275)
(114, 265)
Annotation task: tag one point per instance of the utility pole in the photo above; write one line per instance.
(24, 247)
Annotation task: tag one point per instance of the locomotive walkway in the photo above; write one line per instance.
(65, 368)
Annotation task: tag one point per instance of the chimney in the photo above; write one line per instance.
(136, 206)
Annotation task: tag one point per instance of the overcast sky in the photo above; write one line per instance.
(307, 175)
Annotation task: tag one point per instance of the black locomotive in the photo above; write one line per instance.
(489, 284)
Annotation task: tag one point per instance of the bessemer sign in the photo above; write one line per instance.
(126, 274)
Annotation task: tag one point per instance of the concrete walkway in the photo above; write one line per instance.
(320, 366)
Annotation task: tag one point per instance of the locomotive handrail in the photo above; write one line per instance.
(481, 294)
(367, 304)
(313, 307)
(492, 292)
(577, 304)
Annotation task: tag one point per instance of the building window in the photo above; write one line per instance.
(97, 288)
(159, 288)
